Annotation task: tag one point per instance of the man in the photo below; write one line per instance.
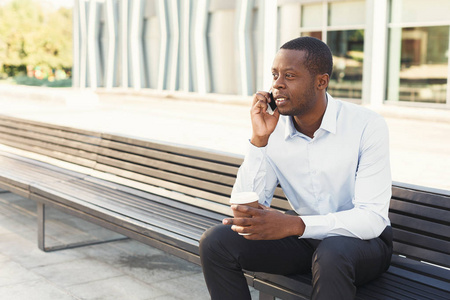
(331, 159)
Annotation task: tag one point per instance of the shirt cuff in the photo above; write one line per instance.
(317, 227)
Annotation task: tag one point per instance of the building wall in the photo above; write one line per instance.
(384, 50)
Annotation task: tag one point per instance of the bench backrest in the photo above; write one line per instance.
(419, 216)
(420, 219)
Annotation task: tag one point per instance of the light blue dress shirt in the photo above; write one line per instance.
(339, 181)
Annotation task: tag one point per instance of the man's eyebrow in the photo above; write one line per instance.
(285, 70)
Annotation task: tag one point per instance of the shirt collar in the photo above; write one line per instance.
(328, 120)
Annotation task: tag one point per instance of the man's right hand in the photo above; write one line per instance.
(263, 124)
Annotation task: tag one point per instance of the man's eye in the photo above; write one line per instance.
(275, 76)
(289, 75)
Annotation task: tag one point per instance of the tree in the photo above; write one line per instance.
(30, 36)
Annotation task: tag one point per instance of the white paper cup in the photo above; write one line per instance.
(244, 198)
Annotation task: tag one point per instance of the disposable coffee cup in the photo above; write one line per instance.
(244, 198)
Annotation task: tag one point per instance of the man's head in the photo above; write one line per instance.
(318, 60)
(301, 72)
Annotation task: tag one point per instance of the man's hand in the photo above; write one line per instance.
(265, 224)
(263, 124)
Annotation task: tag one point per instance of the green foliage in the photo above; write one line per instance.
(31, 37)
(25, 80)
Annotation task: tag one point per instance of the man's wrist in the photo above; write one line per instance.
(259, 141)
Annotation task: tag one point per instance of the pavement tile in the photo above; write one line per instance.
(77, 271)
(13, 273)
(34, 290)
(122, 287)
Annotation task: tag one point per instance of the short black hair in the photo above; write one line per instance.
(319, 59)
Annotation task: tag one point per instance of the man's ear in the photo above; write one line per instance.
(322, 81)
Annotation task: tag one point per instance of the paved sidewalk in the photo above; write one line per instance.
(124, 269)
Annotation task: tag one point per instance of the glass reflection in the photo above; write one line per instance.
(418, 64)
(347, 47)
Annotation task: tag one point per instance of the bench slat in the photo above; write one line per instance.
(140, 165)
(419, 226)
(50, 129)
(165, 184)
(160, 154)
(421, 197)
(183, 150)
(420, 211)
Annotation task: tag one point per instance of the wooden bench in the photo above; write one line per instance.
(166, 196)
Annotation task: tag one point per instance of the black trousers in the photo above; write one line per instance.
(338, 264)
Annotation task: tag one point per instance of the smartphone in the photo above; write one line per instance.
(272, 105)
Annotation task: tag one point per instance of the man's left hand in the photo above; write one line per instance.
(265, 224)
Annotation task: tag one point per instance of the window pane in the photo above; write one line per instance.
(316, 34)
(420, 11)
(418, 64)
(347, 47)
(312, 15)
(347, 13)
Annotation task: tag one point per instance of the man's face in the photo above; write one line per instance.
(293, 86)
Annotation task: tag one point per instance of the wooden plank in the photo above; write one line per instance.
(50, 143)
(420, 278)
(165, 184)
(48, 128)
(154, 204)
(160, 154)
(136, 171)
(417, 225)
(417, 287)
(424, 254)
(184, 222)
(58, 155)
(420, 211)
(426, 269)
(139, 164)
(439, 200)
(210, 154)
(420, 240)
(199, 209)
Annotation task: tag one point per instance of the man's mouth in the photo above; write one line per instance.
(280, 100)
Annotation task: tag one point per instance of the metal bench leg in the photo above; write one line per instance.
(41, 225)
(41, 234)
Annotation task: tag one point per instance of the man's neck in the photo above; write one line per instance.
(310, 122)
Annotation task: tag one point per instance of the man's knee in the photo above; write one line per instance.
(215, 238)
(331, 259)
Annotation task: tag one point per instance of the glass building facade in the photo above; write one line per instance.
(385, 51)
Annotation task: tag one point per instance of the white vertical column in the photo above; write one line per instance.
(375, 49)
(395, 47)
(136, 49)
(124, 42)
(174, 44)
(83, 42)
(92, 45)
(110, 59)
(269, 39)
(200, 57)
(185, 60)
(244, 11)
(162, 68)
(76, 44)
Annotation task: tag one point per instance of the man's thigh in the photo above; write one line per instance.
(364, 259)
(286, 256)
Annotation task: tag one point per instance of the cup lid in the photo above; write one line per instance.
(244, 197)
